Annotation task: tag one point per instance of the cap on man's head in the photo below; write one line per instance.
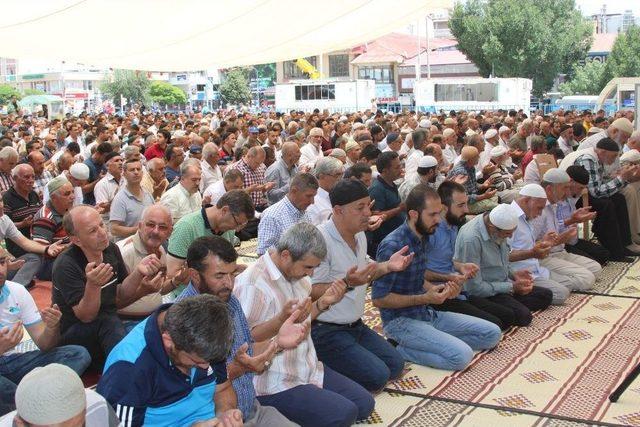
(424, 124)
(79, 171)
(504, 129)
(347, 191)
(50, 395)
(56, 183)
(351, 145)
(533, 190)
(498, 151)
(448, 132)
(490, 133)
(195, 149)
(631, 156)
(449, 121)
(556, 176)
(316, 132)
(579, 174)
(427, 162)
(608, 144)
(622, 124)
(253, 129)
(504, 217)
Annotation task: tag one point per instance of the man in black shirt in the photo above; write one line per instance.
(90, 283)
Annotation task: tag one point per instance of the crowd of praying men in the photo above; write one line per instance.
(458, 226)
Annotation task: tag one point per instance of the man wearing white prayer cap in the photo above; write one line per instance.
(527, 250)
(491, 141)
(483, 241)
(426, 173)
(631, 193)
(620, 131)
(55, 395)
(578, 271)
(504, 182)
(504, 134)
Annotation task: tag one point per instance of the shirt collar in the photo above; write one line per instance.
(272, 269)
(482, 227)
(207, 225)
(153, 337)
(519, 210)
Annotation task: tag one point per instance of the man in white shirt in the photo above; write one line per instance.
(311, 152)
(18, 312)
(211, 172)
(107, 187)
(184, 198)
(328, 171)
(232, 180)
(449, 153)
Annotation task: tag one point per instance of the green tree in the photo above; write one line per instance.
(6, 92)
(535, 39)
(624, 59)
(164, 93)
(585, 79)
(235, 88)
(133, 85)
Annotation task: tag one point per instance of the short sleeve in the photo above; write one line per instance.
(377, 195)
(9, 229)
(42, 230)
(322, 273)
(69, 280)
(29, 313)
(118, 210)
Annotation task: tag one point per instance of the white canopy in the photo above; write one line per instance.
(189, 35)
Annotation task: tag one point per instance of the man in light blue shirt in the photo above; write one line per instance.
(527, 251)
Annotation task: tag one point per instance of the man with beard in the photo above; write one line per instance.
(620, 131)
(611, 225)
(442, 267)
(483, 241)
(212, 269)
(343, 342)
(442, 340)
(426, 173)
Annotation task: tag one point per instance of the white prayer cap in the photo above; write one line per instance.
(556, 176)
(427, 162)
(448, 132)
(343, 119)
(357, 125)
(470, 132)
(490, 133)
(50, 395)
(504, 129)
(425, 124)
(369, 123)
(533, 190)
(504, 217)
(498, 151)
(631, 156)
(623, 124)
(79, 171)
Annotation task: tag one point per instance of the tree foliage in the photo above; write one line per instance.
(535, 39)
(133, 85)
(6, 92)
(235, 88)
(585, 79)
(624, 59)
(166, 94)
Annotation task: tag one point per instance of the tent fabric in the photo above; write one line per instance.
(192, 35)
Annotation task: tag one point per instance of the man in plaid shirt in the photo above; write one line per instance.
(253, 169)
(478, 203)
(611, 225)
(443, 340)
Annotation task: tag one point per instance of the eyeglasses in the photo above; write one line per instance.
(238, 223)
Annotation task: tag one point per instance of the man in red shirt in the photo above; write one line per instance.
(157, 149)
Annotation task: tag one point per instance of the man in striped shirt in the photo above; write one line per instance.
(8, 160)
(301, 387)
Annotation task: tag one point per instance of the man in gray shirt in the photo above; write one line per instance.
(129, 202)
(483, 241)
(282, 171)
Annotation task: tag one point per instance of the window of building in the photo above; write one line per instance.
(87, 84)
(314, 92)
(291, 70)
(381, 74)
(480, 92)
(339, 65)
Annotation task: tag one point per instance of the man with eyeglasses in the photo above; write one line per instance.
(154, 229)
(311, 152)
(230, 214)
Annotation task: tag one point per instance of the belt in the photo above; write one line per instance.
(341, 325)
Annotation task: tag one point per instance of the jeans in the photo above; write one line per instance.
(446, 341)
(98, 336)
(358, 353)
(340, 402)
(28, 271)
(15, 366)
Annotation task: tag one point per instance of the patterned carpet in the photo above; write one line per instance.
(558, 371)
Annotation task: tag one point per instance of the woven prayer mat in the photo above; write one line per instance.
(565, 364)
(619, 279)
(248, 248)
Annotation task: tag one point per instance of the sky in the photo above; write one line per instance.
(590, 7)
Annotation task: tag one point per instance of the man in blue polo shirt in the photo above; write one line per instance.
(169, 370)
(212, 266)
(442, 340)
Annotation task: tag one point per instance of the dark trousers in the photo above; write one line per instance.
(504, 310)
(340, 402)
(358, 353)
(480, 307)
(588, 249)
(98, 337)
(611, 225)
